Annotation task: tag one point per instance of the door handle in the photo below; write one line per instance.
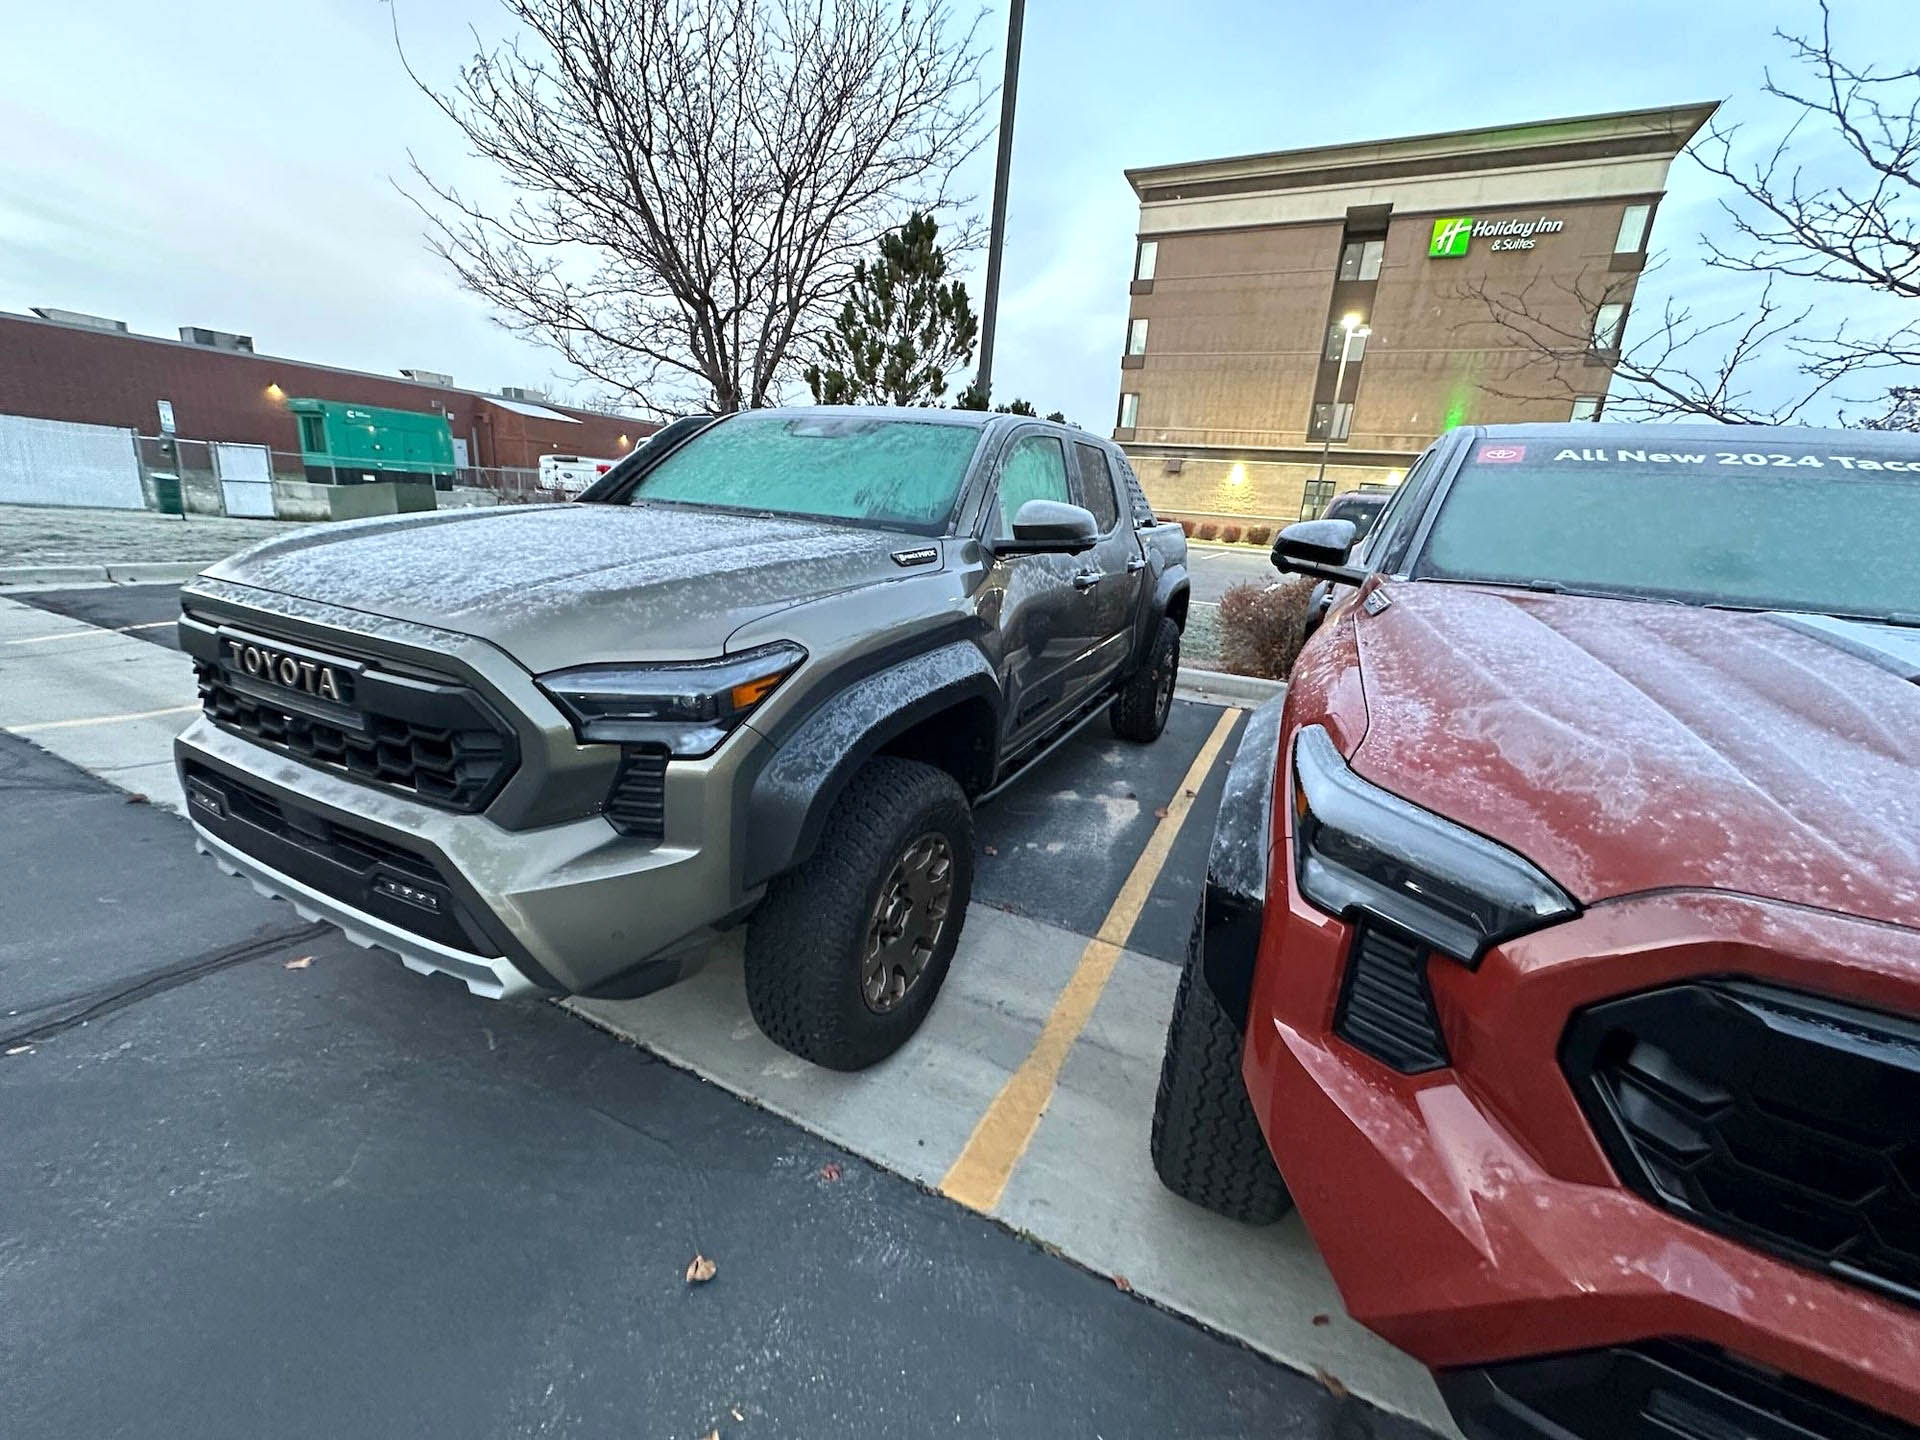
(1136, 564)
(1087, 579)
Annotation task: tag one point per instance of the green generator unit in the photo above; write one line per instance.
(344, 444)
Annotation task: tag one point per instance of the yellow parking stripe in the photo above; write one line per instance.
(978, 1178)
(99, 719)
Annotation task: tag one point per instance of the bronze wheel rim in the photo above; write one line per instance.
(909, 918)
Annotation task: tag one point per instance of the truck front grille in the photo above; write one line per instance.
(1788, 1121)
(434, 740)
(351, 865)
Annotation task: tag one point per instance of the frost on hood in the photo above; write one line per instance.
(1242, 833)
(546, 556)
(332, 617)
(573, 584)
(1626, 746)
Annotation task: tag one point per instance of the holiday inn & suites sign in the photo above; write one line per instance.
(1453, 235)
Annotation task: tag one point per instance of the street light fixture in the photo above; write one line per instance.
(1353, 327)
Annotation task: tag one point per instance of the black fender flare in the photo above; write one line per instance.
(810, 763)
(1167, 585)
(1236, 893)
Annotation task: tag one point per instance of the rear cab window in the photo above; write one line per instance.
(1096, 485)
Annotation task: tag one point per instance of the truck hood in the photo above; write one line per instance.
(558, 585)
(1624, 746)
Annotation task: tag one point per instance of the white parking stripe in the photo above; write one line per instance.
(101, 719)
(89, 630)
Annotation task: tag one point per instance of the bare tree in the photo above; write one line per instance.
(1795, 233)
(692, 181)
(1679, 366)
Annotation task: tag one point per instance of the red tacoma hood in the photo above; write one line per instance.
(1624, 746)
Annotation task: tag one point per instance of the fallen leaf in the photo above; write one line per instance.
(700, 1270)
(830, 1170)
(990, 849)
(137, 799)
(1323, 1319)
(21, 1050)
(1123, 1285)
(1192, 793)
(300, 962)
(1336, 1387)
(713, 1434)
(1161, 813)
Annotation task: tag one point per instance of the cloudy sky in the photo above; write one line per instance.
(233, 164)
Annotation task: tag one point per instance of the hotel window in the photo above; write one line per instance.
(1129, 410)
(1341, 417)
(1336, 336)
(1586, 407)
(1360, 259)
(1137, 335)
(1633, 230)
(1314, 499)
(1145, 259)
(1608, 322)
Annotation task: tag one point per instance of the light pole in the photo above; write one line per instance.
(1353, 330)
(997, 227)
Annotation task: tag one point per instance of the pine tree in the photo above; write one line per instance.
(901, 329)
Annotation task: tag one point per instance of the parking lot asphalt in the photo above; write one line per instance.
(146, 612)
(1216, 568)
(302, 1192)
(1090, 866)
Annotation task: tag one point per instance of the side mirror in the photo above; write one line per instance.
(1048, 527)
(1318, 548)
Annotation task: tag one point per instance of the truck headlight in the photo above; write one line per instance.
(1360, 849)
(689, 707)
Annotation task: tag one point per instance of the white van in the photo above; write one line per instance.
(571, 473)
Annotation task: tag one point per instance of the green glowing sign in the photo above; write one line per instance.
(1450, 237)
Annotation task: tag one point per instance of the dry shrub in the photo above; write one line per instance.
(1208, 531)
(1259, 534)
(1230, 534)
(1260, 626)
(1186, 528)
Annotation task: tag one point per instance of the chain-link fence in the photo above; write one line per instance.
(220, 478)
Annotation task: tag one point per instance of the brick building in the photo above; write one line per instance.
(62, 370)
(1245, 269)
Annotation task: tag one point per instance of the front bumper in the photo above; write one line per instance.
(573, 907)
(1470, 1216)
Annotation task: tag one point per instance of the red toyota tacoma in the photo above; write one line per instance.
(1561, 940)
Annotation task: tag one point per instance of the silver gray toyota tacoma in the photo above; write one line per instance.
(758, 674)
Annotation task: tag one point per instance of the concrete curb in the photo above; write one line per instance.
(130, 573)
(1216, 687)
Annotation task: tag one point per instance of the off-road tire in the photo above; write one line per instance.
(1140, 710)
(805, 942)
(1207, 1146)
